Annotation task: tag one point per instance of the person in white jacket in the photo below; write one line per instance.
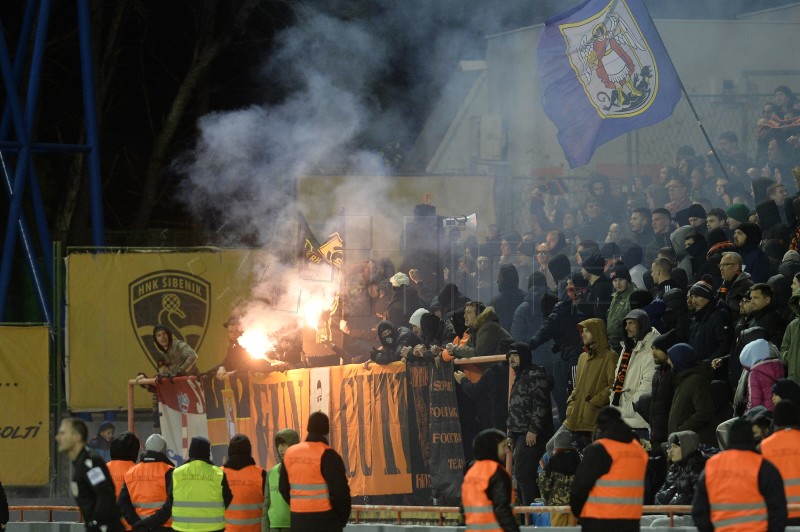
(635, 370)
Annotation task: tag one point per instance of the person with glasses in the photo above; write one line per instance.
(735, 282)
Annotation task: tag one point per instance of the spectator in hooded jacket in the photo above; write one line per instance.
(686, 463)
(692, 404)
(762, 369)
(405, 300)
(747, 237)
(276, 514)
(180, 356)
(635, 368)
(509, 296)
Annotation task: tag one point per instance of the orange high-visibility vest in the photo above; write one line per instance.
(733, 494)
(308, 489)
(117, 469)
(147, 488)
(783, 449)
(478, 510)
(619, 494)
(247, 486)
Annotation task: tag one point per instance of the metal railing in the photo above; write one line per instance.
(48, 509)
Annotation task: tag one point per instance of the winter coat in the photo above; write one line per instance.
(486, 337)
(790, 264)
(771, 321)
(405, 300)
(763, 369)
(693, 406)
(595, 376)
(180, 356)
(509, 295)
(682, 477)
(620, 306)
(710, 332)
(734, 292)
(528, 318)
(490, 395)
(790, 346)
(599, 297)
(662, 391)
(639, 377)
(754, 260)
(529, 407)
(555, 479)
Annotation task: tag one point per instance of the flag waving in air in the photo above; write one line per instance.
(604, 72)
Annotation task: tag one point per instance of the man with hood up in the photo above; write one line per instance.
(276, 515)
(405, 300)
(530, 419)
(594, 377)
(739, 486)
(124, 452)
(314, 481)
(143, 499)
(692, 403)
(509, 296)
(686, 463)
(486, 491)
(247, 482)
(561, 327)
(635, 368)
(198, 491)
(180, 356)
(608, 490)
(393, 342)
(782, 448)
(747, 237)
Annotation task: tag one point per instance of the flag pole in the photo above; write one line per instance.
(703, 129)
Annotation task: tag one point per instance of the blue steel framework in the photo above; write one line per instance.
(15, 138)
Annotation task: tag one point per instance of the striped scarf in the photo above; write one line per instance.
(619, 382)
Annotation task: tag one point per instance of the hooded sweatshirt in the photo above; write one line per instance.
(276, 512)
(754, 260)
(763, 368)
(682, 476)
(509, 295)
(180, 356)
(595, 375)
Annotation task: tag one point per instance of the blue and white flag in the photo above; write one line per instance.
(604, 72)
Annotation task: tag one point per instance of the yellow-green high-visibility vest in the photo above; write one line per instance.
(197, 503)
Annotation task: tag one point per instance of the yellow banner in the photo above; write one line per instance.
(25, 415)
(369, 420)
(114, 300)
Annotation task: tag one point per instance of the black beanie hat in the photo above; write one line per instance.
(664, 341)
(607, 416)
(787, 389)
(741, 434)
(240, 444)
(200, 449)
(621, 271)
(578, 281)
(640, 298)
(609, 250)
(703, 288)
(594, 264)
(786, 414)
(559, 267)
(125, 447)
(318, 424)
(696, 210)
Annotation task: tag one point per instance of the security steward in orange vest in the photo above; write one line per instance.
(313, 481)
(486, 490)
(124, 452)
(608, 489)
(739, 489)
(782, 448)
(247, 482)
(143, 499)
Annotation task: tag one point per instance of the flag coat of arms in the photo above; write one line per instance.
(604, 72)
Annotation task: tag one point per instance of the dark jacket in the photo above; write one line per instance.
(754, 260)
(770, 484)
(561, 326)
(405, 300)
(596, 463)
(125, 505)
(509, 295)
(3, 506)
(599, 297)
(683, 476)
(335, 475)
(490, 393)
(732, 293)
(96, 498)
(771, 320)
(529, 407)
(528, 318)
(710, 332)
(692, 404)
(500, 488)
(661, 404)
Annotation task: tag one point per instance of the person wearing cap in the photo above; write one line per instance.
(277, 514)
(555, 478)
(124, 452)
(659, 403)
(313, 480)
(635, 368)
(247, 482)
(101, 443)
(737, 215)
(782, 448)
(620, 303)
(143, 499)
(405, 300)
(530, 418)
(416, 320)
(600, 287)
(486, 492)
(739, 488)
(709, 332)
(561, 326)
(692, 403)
(696, 216)
(608, 490)
(198, 491)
